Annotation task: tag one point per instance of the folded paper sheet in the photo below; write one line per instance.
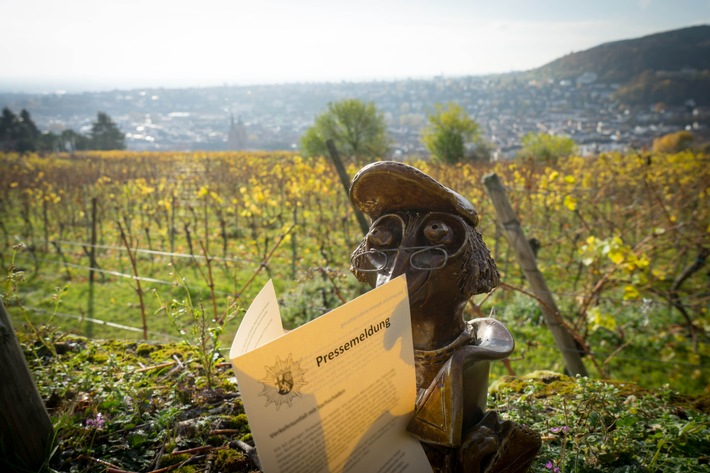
(336, 394)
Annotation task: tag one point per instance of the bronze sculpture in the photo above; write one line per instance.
(428, 232)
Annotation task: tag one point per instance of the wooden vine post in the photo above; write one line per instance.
(92, 269)
(345, 181)
(25, 428)
(516, 237)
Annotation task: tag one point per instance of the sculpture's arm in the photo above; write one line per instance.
(456, 398)
(493, 340)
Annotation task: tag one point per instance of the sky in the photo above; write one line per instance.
(78, 45)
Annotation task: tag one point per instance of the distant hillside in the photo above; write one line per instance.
(622, 61)
(670, 67)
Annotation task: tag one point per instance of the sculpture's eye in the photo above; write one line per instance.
(438, 233)
(385, 233)
(381, 237)
(444, 230)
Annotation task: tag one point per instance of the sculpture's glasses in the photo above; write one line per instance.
(426, 258)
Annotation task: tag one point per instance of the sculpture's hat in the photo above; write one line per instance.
(389, 186)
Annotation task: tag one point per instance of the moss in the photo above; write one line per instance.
(173, 459)
(118, 345)
(550, 383)
(215, 440)
(186, 469)
(237, 403)
(144, 349)
(99, 351)
(162, 353)
(546, 383)
(702, 403)
(238, 422)
(97, 357)
(546, 376)
(230, 460)
(121, 349)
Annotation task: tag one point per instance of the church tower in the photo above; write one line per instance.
(237, 136)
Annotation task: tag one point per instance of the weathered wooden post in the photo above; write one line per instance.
(345, 180)
(92, 272)
(516, 237)
(25, 428)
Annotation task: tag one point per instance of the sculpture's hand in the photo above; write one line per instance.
(493, 446)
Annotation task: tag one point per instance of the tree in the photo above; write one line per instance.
(358, 130)
(18, 133)
(448, 132)
(72, 141)
(49, 142)
(546, 148)
(105, 134)
(28, 135)
(673, 142)
(7, 124)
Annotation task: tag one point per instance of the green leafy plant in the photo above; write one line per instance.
(196, 327)
(596, 426)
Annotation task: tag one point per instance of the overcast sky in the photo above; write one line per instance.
(108, 44)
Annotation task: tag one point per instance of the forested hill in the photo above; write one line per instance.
(622, 61)
(671, 67)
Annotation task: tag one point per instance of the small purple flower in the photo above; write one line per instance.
(556, 430)
(96, 422)
(550, 466)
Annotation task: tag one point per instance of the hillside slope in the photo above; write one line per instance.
(622, 61)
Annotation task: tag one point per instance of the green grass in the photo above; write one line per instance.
(652, 357)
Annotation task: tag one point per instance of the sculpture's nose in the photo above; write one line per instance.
(398, 266)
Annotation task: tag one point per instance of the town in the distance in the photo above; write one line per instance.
(580, 103)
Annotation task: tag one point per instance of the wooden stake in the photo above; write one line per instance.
(526, 258)
(26, 431)
(93, 266)
(345, 180)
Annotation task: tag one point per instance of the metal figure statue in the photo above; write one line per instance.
(428, 232)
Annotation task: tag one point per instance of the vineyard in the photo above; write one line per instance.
(168, 246)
